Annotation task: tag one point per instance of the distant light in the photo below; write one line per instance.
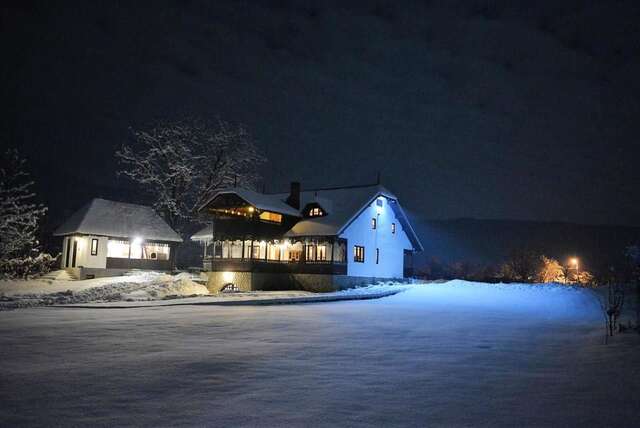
(574, 261)
(227, 276)
(251, 209)
(137, 240)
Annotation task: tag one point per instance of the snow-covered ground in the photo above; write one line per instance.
(452, 354)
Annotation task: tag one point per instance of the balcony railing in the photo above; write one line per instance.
(274, 266)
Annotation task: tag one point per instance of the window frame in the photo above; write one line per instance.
(94, 250)
(374, 223)
(358, 254)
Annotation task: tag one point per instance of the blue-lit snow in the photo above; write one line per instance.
(452, 354)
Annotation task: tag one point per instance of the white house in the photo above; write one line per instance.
(105, 238)
(319, 239)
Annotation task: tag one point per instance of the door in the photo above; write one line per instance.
(75, 251)
(66, 261)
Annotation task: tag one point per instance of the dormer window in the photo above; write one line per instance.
(313, 210)
(316, 212)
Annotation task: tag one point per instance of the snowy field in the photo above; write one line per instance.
(453, 354)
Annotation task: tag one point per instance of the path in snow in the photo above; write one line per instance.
(454, 354)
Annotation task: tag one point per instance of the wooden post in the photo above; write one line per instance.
(333, 245)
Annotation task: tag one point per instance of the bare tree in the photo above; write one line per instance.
(522, 265)
(19, 214)
(181, 164)
(633, 254)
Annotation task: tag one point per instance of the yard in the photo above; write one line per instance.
(453, 354)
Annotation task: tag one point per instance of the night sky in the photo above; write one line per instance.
(485, 109)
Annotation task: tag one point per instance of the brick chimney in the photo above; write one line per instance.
(294, 195)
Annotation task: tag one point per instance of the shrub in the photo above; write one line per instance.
(27, 267)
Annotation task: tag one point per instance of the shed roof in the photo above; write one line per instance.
(118, 219)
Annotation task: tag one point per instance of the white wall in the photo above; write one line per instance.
(391, 246)
(83, 254)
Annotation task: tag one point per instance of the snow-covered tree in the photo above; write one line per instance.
(550, 270)
(181, 164)
(19, 213)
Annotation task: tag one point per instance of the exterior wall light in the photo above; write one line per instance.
(227, 277)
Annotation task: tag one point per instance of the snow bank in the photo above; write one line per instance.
(166, 286)
(533, 300)
(146, 286)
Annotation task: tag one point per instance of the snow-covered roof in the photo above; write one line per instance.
(261, 201)
(118, 219)
(341, 205)
(204, 234)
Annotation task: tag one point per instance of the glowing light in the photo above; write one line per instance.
(137, 240)
(574, 261)
(251, 209)
(227, 276)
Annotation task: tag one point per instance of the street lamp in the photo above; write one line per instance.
(575, 263)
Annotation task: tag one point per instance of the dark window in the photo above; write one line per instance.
(377, 255)
(94, 247)
(374, 223)
(393, 228)
(379, 202)
(358, 254)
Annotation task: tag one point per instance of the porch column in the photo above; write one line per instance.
(333, 241)
(242, 257)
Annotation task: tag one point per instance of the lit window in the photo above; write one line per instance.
(94, 247)
(321, 253)
(311, 252)
(393, 228)
(377, 255)
(358, 254)
(271, 217)
(315, 212)
(118, 249)
(374, 223)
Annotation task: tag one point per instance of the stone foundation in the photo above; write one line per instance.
(319, 283)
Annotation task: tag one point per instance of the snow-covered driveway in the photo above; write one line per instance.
(453, 354)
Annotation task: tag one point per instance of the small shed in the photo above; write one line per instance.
(105, 238)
